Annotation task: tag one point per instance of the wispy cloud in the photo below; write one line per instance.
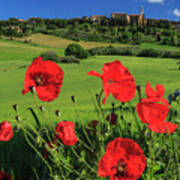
(156, 1)
(176, 12)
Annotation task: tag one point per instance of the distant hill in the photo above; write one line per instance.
(58, 42)
(117, 29)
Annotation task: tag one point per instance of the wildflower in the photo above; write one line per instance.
(117, 80)
(154, 109)
(46, 77)
(123, 160)
(5, 176)
(176, 94)
(170, 98)
(65, 132)
(6, 131)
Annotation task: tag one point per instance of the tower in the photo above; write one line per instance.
(142, 10)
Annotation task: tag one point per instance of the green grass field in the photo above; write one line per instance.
(16, 56)
(22, 161)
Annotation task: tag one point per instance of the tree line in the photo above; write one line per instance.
(105, 30)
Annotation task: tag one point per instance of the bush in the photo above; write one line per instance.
(69, 59)
(77, 51)
(150, 53)
(110, 50)
(50, 55)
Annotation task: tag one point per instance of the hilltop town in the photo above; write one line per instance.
(118, 28)
(138, 19)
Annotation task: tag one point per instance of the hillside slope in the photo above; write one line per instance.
(53, 41)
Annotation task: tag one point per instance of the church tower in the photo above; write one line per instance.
(142, 10)
(141, 20)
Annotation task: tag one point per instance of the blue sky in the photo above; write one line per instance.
(24, 9)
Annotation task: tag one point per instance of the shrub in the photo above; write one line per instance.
(150, 53)
(110, 50)
(50, 55)
(77, 51)
(69, 59)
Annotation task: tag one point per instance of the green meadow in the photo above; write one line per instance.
(23, 161)
(15, 57)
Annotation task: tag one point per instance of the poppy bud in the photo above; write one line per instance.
(121, 117)
(73, 99)
(15, 107)
(42, 108)
(57, 112)
(112, 107)
(32, 89)
(18, 118)
(97, 97)
(138, 87)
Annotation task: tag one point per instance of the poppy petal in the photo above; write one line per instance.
(149, 90)
(151, 112)
(160, 90)
(94, 73)
(163, 127)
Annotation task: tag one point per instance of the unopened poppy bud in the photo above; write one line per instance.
(121, 117)
(112, 107)
(15, 107)
(97, 96)
(129, 124)
(57, 112)
(18, 118)
(42, 108)
(73, 99)
(138, 87)
(32, 89)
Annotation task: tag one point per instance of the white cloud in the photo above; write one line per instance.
(155, 1)
(176, 12)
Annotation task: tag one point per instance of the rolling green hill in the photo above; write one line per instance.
(16, 56)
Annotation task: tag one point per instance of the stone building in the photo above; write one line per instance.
(97, 18)
(138, 19)
(122, 16)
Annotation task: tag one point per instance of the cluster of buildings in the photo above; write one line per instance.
(139, 19)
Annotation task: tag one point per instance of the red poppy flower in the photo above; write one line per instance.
(154, 109)
(112, 118)
(5, 176)
(65, 130)
(116, 80)
(123, 160)
(46, 77)
(6, 131)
